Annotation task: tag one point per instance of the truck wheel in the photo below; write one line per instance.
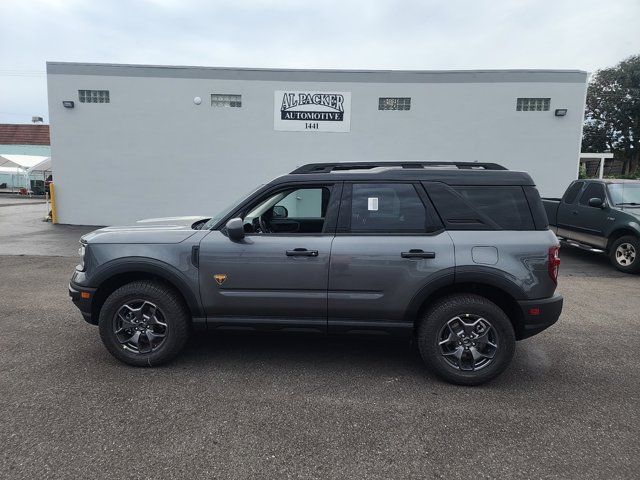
(466, 339)
(144, 324)
(625, 254)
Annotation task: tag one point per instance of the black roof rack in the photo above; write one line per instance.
(331, 167)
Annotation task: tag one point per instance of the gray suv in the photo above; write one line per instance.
(457, 256)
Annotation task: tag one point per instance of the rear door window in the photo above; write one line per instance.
(387, 208)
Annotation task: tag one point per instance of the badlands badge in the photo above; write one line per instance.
(220, 278)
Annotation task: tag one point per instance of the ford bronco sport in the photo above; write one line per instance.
(457, 256)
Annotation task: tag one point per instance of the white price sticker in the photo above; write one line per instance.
(372, 204)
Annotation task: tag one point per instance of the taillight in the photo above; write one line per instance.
(554, 263)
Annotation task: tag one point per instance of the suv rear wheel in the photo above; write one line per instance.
(144, 324)
(625, 254)
(466, 339)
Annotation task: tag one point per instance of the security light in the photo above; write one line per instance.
(68, 104)
(560, 112)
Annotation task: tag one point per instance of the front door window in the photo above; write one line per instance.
(301, 210)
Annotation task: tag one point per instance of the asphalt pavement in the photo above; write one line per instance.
(259, 406)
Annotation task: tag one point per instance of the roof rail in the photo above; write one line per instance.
(331, 167)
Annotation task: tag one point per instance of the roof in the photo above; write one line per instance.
(316, 75)
(412, 164)
(24, 134)
(619, 180)
(450, 176)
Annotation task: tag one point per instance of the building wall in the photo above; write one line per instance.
(42, 150)
(152, 152)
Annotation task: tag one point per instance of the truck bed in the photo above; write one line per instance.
(551, 206)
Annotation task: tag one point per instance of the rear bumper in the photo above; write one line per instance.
(539, 315)
(82, 297)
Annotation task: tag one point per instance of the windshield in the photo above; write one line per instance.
(626, 194)
(225, 211)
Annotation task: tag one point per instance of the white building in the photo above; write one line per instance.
(137, 141)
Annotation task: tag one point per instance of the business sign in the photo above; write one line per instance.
(312, 111)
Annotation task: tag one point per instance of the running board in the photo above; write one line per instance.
(581, 246)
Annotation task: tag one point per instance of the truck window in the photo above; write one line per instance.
(593, 190)
(572, 192)
(625, 193)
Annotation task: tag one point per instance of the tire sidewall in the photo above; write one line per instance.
(451, 307)
(173, 315)
(635, 266)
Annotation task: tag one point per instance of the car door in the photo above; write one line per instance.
(586, 222)
(276, 278)
(389, 246)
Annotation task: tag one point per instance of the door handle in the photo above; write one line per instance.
(574, 212)
(302, 252)
(417, 253)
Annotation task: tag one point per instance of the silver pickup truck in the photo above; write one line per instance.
(601, 214)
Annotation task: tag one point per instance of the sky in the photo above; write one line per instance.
(373, 34)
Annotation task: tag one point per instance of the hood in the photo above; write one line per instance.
(152, 230)
(632, 211)
(172, 221)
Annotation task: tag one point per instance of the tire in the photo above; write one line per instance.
(486, 327)
(142, 308)
(625, 254)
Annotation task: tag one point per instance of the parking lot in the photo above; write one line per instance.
(258, 406)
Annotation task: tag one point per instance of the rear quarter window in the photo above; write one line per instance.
(482, 207)
(572, 192)
(507, 206)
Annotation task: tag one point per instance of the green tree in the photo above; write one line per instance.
(612, 114)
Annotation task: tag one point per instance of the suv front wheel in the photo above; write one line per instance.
(466, 339)
(144, 323)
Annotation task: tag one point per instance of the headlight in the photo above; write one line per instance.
(81, 251)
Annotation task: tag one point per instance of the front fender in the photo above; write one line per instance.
(185, 285)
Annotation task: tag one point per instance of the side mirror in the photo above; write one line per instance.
(596, 202)
(235, 229)
(280, 211)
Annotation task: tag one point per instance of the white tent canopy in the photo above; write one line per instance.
(43, 166)
(25, 162)
(24, 165)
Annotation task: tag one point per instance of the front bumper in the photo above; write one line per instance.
(82, 297)
(539, 315)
